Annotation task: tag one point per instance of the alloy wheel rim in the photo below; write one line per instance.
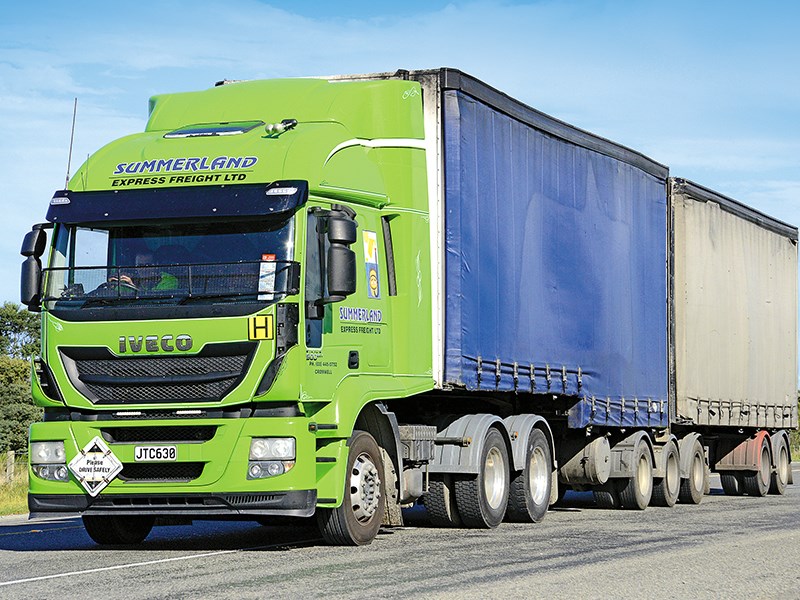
(537, 475)
(365, 488)
(494, 479)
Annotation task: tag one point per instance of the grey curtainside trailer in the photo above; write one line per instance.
(734, 332)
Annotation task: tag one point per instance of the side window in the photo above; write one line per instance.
(314, 286)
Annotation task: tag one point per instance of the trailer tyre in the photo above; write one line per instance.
(116, 530)
(482, 500)
(757, 484)
(666, 489)
(780, 478)
(357, 520)
(693, 487)
(607, 496)
(529, 496)
(635, 492)
(732, 483)
(440, 502)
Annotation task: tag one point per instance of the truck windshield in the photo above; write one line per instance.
(170, 264)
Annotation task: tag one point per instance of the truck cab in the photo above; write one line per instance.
(218, 296)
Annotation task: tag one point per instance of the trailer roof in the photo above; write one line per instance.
(704, 194)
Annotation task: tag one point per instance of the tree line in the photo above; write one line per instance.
(19, 342)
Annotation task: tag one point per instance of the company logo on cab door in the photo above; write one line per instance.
(154, 343)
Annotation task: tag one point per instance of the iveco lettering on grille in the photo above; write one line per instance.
(151, 343)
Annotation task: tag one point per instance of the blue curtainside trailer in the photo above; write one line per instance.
(556, 269)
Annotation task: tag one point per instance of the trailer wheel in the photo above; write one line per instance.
(482, 500)
(781, 475)
(357, 520)
(116, 530)
(666, 489)
(693, 487)
(440, 502)
(607, 496)
(636, 491)
(757, 484)
(529, 496)
(732, 483)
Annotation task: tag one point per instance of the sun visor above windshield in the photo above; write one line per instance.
(184, 203)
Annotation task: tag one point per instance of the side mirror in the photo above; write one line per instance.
(341, 271)
(34, 242)
(31, 283)
(33, 246)
(342, 230)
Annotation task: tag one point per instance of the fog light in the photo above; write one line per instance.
(269, 468)
(51, 472)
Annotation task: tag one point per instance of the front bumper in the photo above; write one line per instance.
(298, 503)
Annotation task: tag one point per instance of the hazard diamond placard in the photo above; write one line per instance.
(95, 466)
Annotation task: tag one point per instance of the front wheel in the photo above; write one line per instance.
(357, 520)
(115, 530)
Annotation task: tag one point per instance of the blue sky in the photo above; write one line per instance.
(711, 89)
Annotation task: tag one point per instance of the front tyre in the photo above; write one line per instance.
(115, 530)
(357, 520)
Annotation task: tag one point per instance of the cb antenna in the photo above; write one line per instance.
(71, 140)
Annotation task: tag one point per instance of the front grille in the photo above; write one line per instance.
(181, 471)
(175, 435)
(108, 379)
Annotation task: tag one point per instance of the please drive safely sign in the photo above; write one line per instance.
(95, 466)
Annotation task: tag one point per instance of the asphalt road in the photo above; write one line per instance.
(726, 547)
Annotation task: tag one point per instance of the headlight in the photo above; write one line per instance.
(272, 449)
(47, 452)
(270, 457)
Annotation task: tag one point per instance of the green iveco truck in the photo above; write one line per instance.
(338, 297)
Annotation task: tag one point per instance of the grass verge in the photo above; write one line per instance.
(14, 494)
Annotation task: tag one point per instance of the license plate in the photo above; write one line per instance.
(155, 453)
